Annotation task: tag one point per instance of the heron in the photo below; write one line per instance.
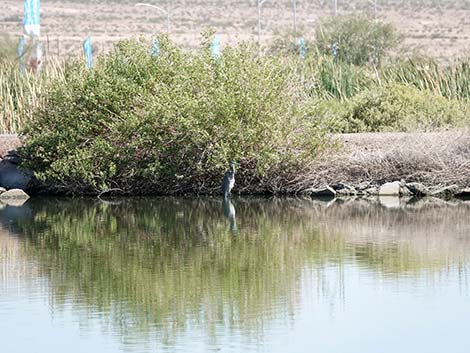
(229, 180)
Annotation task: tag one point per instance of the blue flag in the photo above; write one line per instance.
(87, 48)
(31, 20)
(155, 50)
(302, 48)
(215, 48)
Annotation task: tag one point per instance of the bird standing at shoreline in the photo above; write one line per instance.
(229, 180)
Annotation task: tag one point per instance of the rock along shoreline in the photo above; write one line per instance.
(395, 188)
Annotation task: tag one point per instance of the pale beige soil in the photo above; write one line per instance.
(436, 27)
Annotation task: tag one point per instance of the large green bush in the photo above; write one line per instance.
(359, 39)
(170, 123)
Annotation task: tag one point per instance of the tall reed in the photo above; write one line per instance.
(450, 81)
(22, 92)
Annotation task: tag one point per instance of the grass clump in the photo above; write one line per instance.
(170, 124)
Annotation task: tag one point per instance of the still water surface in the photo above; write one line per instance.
(251, 275)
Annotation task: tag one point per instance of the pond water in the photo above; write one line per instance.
(249, 275)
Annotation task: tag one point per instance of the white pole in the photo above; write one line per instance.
(335, 7)
(294, 6)
(374, 3)
(259, 27)
(168, 9)
(260, 3)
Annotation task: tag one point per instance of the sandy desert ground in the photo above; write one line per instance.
(436, 27)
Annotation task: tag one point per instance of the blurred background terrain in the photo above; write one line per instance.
(439, 28)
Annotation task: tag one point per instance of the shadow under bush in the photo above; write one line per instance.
(170, 124)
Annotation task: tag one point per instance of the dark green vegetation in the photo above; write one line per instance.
(170, 124)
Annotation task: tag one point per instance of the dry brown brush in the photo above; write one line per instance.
(434, 159)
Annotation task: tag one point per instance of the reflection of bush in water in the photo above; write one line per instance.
(175, 260)
(172, 260)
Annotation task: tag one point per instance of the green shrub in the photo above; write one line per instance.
(359, 39)
(169, 124)
(333, 115)
(400, 108)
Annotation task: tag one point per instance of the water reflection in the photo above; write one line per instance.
(229, 212)
(163, 266)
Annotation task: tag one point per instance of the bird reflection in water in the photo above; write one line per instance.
(229, 212)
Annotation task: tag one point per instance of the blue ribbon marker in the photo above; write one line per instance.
(155, 49)
(215, 48)
(88, 49)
